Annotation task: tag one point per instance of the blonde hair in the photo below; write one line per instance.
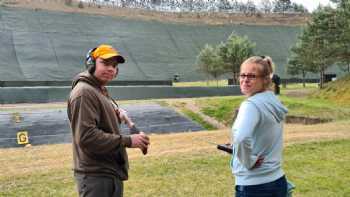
(266, 64)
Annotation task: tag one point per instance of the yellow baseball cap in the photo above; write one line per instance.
(105, 51)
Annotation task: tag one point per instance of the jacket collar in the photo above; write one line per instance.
(91, 80)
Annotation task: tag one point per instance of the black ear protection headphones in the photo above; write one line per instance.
(90, 61)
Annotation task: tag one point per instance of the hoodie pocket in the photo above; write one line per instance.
(120, 155)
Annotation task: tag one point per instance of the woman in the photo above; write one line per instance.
(257, 158)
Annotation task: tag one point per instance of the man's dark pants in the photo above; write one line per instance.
(98, 186)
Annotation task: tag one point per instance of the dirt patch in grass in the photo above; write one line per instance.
(199, 141)
(299, 93)
(190, 104)
(305, 120)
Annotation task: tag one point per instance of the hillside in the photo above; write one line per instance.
(213, 18)
(336, 90)
(55, 44)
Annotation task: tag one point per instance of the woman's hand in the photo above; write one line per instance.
(258, 162)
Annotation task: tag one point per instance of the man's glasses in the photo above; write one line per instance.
(249, 76)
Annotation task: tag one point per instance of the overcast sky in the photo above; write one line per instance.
(311, 4)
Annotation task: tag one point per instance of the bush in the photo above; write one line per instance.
(68, 2)
(81, 5)
(259, 15)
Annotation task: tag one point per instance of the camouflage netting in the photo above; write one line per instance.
(42, 45)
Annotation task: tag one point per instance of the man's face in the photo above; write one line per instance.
(106, 70)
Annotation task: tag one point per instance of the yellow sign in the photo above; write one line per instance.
(16, 117)
(22, 137)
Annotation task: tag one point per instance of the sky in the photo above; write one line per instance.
(312, 4)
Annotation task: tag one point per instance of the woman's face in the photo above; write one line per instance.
(250, 79)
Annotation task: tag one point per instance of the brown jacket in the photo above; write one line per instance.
(98, 146)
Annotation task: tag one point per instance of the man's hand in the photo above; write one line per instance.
(140, 141)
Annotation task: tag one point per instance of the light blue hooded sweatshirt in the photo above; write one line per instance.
(258, 132)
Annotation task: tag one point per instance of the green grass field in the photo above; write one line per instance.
(209, 83)
(195, 117)
(320, 168)
(316, 157)
(337, 90)
(317, 169)
(224, 82)
(301, 101)
(222, 108)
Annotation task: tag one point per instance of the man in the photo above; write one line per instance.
(99, 149)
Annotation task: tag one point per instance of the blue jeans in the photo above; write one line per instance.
(277, 188)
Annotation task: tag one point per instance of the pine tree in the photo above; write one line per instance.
(281, 6)
(341, 26)
(298, 62)
(318, 42)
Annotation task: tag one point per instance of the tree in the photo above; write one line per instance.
(251, 8)
(266, 6)
(236, 6)
(319, 43)
(68, 2)
(315, 48)
(324, 41)
(225, 5)
(242, 7)
(298, 62)
(210, 62)
(80, 5)
(281, 6)
(341, 3)
(234, 52)
(298, 8)
(340, 24)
